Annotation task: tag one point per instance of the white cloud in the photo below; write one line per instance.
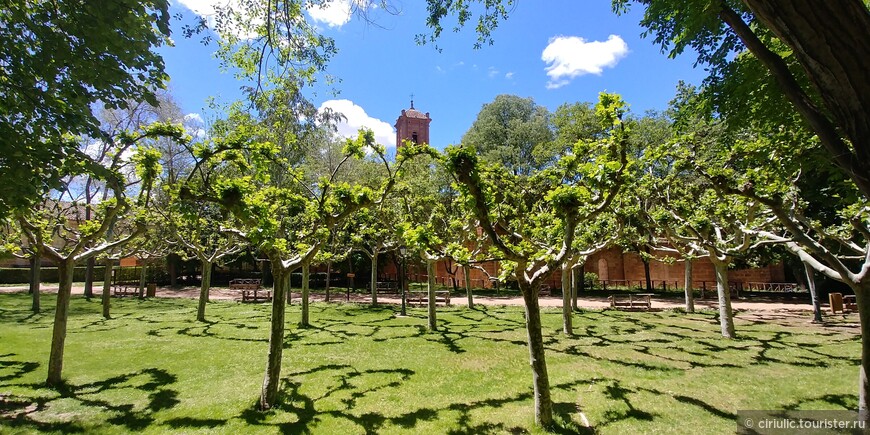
(357, 118)
(509, 75)
(491, 72)
(568, 57)
(335, 13)
(195, 117)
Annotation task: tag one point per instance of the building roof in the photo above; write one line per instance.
(414, 113)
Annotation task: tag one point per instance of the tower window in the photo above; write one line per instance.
(414, 137)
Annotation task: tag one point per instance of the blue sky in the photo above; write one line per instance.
(554, 52)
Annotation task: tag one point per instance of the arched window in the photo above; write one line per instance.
(603, 273)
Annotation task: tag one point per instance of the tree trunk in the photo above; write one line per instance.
(726, 320)
(269, 392)
(142, 280)
(305, 275)
(107, 289)
(430, 270)
(567, 313)
(65, 270)
(811, 285)
(374, 277)
(538, 362)
(466, 271)
(328, 279)
(862, 299)
(288, 286)
(646, 273)
(171, 267)
(687, 285)
(35, 279)
(89, 278)
(579, 283)
(831, 41)
(203, 290)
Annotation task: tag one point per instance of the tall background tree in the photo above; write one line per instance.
(513, 132)
(530, 220)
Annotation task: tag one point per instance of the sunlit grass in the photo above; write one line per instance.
(359, 369)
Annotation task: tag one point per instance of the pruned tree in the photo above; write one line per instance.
(431, 224)
(202, 232)
(68, 239)
(530, 221)
(16, 244)
(288, 222)
(373, 231)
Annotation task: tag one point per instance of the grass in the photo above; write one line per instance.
(361, 370)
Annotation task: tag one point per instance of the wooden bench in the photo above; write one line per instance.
(251, 290)
(122, 289)
(842, 303)
(387, 287)
(422, 297)
(631, 301)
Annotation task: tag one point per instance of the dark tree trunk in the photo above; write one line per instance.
(726, 319)
(65, 270)
(567, 312)
(811, 285)
(269, 392)
(204, 287)
(106, 297)
(862, 299)
(430, 270)
(89, 277)
(305, 278)
(328, 279)
(831, 41)
(142, 273)
(646, 272)
(288, 286)
(687, 285)
(538, 362)
(172, 269)
(374, 282)
(580, 283)
(466, 271)
(35, 279)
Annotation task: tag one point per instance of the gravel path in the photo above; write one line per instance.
(594, 302)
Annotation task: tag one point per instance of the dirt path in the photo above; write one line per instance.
(593, 302)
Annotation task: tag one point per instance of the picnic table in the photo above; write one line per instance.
(122, 289)
(387, 287)
(631, 300)
(251, 289)
(422, 297)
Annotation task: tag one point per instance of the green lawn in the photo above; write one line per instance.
(361, 370)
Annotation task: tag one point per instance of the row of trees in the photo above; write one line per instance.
(771, 150)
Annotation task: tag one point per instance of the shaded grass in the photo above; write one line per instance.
(359, 369)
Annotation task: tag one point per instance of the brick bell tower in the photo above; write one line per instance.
(412, 125)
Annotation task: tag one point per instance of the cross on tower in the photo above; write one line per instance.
(412, 101)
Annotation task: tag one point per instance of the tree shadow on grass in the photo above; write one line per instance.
(10, 369)
(311, 409)
(30, 412)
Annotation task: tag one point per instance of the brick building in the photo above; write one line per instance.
(612, 266)
(412, 125)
